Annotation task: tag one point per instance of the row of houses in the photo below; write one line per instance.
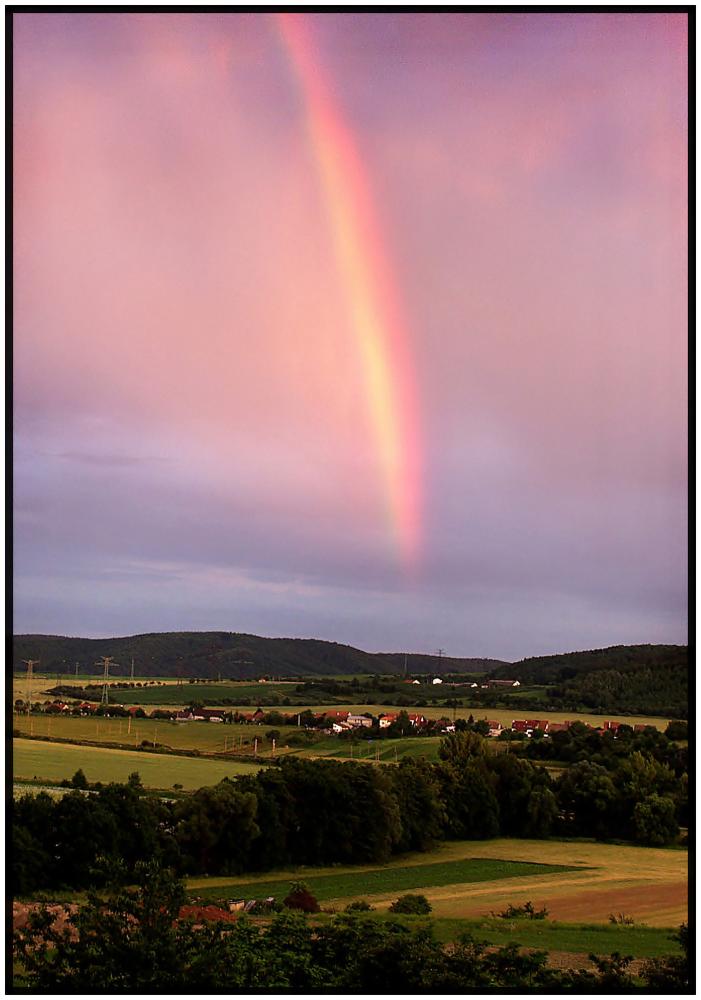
(528, 726)
(336, 721)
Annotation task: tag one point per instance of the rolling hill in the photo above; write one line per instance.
(229, 654)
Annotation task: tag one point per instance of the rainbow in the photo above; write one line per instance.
(373, 302)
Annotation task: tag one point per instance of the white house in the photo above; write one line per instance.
(437, 680)
(359, 720)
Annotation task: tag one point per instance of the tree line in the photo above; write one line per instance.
(303, 812)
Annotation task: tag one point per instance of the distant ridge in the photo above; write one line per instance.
(232, 655)
(561, 667)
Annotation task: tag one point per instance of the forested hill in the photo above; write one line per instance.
(231, 654)
(566, 666)
(637, 679)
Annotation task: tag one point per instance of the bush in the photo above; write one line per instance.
(359, 906)
(527, 910)
(300, 898)
(677, 730)
(416, 904)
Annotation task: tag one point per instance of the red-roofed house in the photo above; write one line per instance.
(541, 724)
(417, 720)
(336, 716)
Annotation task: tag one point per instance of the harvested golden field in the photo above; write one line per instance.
(648, 884)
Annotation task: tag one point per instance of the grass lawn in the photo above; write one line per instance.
(55, 761)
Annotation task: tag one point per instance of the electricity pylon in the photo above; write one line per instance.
(30, 673)
(105, 661)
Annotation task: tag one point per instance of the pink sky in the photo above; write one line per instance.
(195, 444)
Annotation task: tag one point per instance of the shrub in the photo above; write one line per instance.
(527, 910)
(359, 906)
(300, 898)
(410, 903)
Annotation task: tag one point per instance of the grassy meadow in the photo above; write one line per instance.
(56, 761)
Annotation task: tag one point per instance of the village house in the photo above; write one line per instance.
(437, 680)
(358, 721)
(417, 720)
(495, 727)
(528, 726)
(503, 683)
(336, 716)
(387, 720)
(199, 715)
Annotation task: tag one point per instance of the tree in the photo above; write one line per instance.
(79, 780)
(422, 815)
(129, 941)
(215, 828)
(677, 730)
(460, 748)
(472, 809)
(654, 821)
(588, 796)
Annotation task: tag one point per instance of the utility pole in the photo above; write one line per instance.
(30, 674)
(76, 669)
(440, 660)
(105, 662)
(132, 668)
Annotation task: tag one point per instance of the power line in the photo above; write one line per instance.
(105, 662)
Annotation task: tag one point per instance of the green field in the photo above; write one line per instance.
(208, 737)
(547, 935)
(209, 694)
(56, 761)
(374, 881)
